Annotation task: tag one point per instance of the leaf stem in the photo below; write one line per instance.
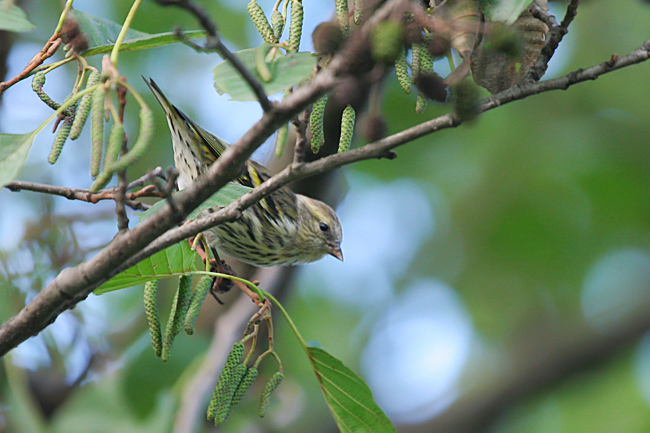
(253, 287)
(51, 66)
(122, 34)
(288, 318)
(67, 104)
(64, 14)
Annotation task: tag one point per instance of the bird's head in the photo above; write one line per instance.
(320, 230)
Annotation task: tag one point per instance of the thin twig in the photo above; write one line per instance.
(85, 194)
(74, 284)
(213, 43)
(48, 51)
(300, 148)
(147, 178)
(542, 14)
(228, 328)
(120, 201)
(379, 149)
(556, 33)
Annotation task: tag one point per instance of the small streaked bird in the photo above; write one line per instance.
(283, 228)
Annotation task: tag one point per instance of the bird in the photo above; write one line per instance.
(283, 228)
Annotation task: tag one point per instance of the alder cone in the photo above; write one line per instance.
(498, 69)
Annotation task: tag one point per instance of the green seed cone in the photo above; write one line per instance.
(358, 12)
(316, 124)
(213, 407)
(420, 103)
(401, 70)
(59, 140)
(281, 139)
(260, 21)
(140, 146)
(225, 378)
(115, 142)
(225, 409)
(343, 16)
(84, 107)
(151, 309)
(347, 129)
(426, 59)
(200, 292)
(37, 86)
(177, 313)
(270, 386)
(38, 81)
(295, 29)
(97, 130)
(244, 385)
(416, 57)
(277, 22)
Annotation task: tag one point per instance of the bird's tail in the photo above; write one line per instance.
(211, 145)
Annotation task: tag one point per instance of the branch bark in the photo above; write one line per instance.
(75, 284)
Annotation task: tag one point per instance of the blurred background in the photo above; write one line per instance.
(496, 275)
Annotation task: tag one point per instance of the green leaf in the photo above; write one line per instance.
(14, 20)
(505, 11)
(13, 151)
(102, 33)
(226, 195)
(175, 260)
(348, 397)
(285, 71)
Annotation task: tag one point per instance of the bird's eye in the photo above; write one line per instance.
(324, 227)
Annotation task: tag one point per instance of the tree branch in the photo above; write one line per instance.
(75, 284)
(556, 34)
(213, 42)
(379, 149)
(84, 194)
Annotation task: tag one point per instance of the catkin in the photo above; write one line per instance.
(225, 409)
(316, 124)
(295, 28)
(84, 107)
(177, 313)
(358, 12)
(200, 292)
(343, 16)
(260, 21)
(401, 70)
(416, 58)
(37, 86)
(115, 142)
(59, 140)
(277, 22)
(426, 59)
(141, 143)
(281, 139)
(225, 378)
(270, 386)
(151, 310)
(244, 385)
(347, 129)
(420, 103)
(97, 130)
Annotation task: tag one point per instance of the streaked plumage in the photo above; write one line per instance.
(284, 228)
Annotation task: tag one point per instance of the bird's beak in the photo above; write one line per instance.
(335, 250)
